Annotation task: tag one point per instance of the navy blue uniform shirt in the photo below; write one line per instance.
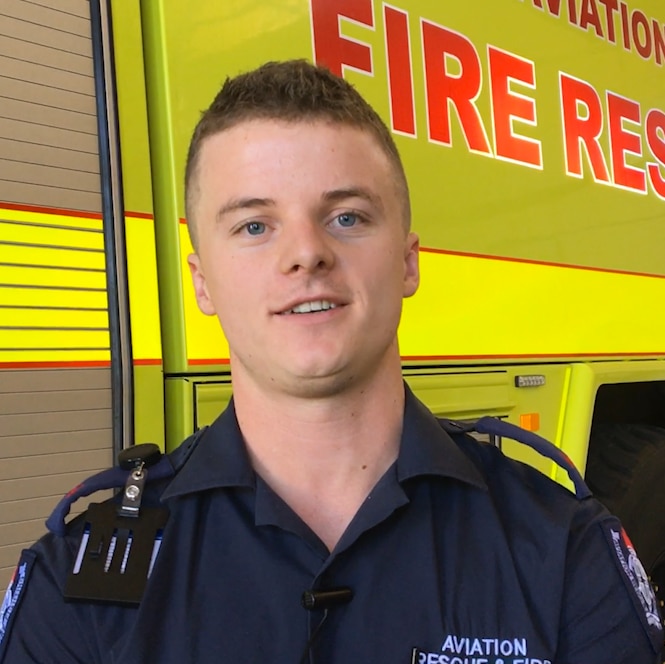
(458, 556)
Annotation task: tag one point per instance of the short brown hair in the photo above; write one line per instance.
(294, 90)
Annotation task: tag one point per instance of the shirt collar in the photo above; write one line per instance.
(220, 458)
(426, 449)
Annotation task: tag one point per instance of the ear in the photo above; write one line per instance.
(411, 265)
(203, 298)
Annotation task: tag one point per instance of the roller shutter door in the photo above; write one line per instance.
(55, 380)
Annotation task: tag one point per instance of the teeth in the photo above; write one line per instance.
(315, 305)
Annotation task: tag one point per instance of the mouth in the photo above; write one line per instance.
(312, 306)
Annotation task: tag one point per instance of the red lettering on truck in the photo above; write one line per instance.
(638, 32)
(400, 75)
(659, 41)
(641, 38)
(554, 8)
(611, 7)
(457, 90)
(625, 26)
(582, 118)
(589, 16)
(330, 47)
(625, 142)
(655, 132)
(509, 107)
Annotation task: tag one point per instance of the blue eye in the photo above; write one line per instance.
(255, 228)
(347, 219)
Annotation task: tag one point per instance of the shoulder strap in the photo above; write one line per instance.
(496, 427)
(114, 478)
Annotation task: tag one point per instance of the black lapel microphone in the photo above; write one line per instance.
(313, 600)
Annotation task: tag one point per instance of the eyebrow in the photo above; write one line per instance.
(332, 196)
(244, 204)
(336, 195)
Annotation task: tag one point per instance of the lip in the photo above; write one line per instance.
(336, 301)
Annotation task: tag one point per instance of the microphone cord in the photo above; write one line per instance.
(310, 643)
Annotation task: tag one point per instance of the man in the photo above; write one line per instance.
(327, 516)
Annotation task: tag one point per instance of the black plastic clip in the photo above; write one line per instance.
(116, 554)
(136, 459)
(120, 543)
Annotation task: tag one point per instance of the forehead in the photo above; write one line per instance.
(261, 148)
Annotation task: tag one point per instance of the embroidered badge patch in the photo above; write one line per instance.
(473, 650)
(14, 595)
(636, 580)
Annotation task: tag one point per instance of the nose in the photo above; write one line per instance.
(306, 247)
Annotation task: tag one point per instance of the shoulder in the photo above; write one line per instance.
(42, 584)
(57, 550)
(516, 485)
(601, 579)
(524, 499)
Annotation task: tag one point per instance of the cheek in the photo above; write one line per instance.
(385, 280)
(228, 300)
(234, 292)
(232, 315)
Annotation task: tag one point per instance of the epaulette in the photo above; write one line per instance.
(121, 537)
(493, 426)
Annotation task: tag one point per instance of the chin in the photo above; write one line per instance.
(320, 386)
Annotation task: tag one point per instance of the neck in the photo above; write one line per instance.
(323, 455)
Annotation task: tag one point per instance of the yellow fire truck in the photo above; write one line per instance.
(533, 135)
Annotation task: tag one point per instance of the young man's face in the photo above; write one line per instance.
(303, 253)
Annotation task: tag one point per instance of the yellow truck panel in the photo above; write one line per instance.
(533, 136)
